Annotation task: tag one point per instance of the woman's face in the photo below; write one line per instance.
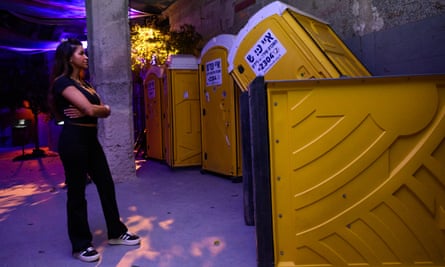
(79, 58)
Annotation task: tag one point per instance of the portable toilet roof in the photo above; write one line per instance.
(281, 42)
(158, 71)
(223, 40)
(182, 61)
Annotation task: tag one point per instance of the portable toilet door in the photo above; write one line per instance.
(219, 109)
(153, 117)
(281, 42)
(181, 112)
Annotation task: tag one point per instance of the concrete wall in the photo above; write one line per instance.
(389, 37)
(109, 67)
(412, 48)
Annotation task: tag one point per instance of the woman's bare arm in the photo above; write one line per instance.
(79, 101)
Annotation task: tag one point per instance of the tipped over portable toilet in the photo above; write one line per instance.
(153, 117)
(281, 42)
(349, 171)
(181, 119)
(221, 151)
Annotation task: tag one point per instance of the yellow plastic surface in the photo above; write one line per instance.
(219, 106)
(358, 171)
(153, 117)
(181, 113)
(282, 43)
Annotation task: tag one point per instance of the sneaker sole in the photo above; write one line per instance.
(124, 242)
(87, 259)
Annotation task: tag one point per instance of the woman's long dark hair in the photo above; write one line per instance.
(61, 67)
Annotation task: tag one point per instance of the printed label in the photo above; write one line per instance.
(214, 72)
(265, 53)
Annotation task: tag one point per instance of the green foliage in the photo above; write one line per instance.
(153, 43)
(185, 40)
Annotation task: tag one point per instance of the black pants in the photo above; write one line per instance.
(82, 155)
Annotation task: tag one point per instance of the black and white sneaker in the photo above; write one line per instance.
(87, 255)
(127, 238)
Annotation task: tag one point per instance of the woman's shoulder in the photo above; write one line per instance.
(63, 79)
(62, 82)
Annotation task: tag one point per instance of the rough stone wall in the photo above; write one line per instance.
(347, 17)
(361, 17)
(409, 49)
(210, 18)
(372, 29)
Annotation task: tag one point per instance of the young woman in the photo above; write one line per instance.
(74, 101)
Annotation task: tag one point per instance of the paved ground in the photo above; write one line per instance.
(185, 218)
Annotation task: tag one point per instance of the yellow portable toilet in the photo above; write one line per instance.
(153, 117)
(221, 151)
(281, 42)
(349, 171)
(181, 118)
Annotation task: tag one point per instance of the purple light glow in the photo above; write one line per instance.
(18, 43)
(60, 13)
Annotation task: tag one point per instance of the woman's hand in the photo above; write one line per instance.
(73, 112)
